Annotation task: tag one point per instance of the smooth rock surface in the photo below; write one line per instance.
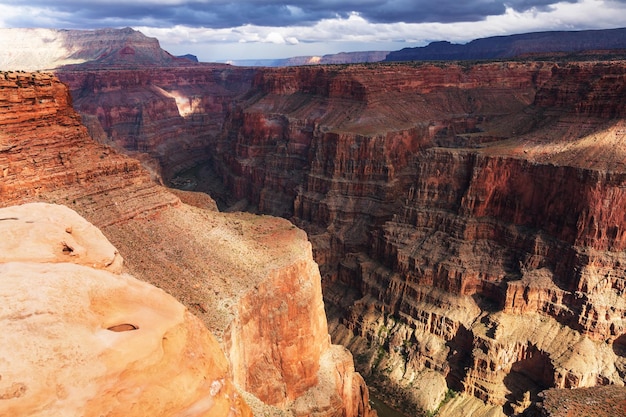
(80, 339)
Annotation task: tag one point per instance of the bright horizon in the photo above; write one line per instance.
(219, 30)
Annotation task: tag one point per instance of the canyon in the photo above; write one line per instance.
(468, 219)
(223, 267)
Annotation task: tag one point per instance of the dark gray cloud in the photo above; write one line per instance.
(222, 13)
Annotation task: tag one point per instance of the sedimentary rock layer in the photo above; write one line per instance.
(448, 206)
(168, 114)
(468, 218)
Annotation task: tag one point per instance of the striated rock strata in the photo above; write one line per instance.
(222, 267)
(168, 114)
(468, 219)
(80, 337)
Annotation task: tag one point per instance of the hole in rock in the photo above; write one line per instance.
(67, 249)
(124, 327)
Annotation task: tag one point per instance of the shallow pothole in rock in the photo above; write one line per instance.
(124, 327)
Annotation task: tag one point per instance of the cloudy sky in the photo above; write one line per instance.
(218, 30)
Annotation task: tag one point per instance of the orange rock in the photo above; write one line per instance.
(80, 339)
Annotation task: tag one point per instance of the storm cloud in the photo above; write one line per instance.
(270, 13)
(224, 30)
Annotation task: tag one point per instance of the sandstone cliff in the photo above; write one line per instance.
(222, 267)
(81, 338)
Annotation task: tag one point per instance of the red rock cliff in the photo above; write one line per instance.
(447, 205)
(166, 113)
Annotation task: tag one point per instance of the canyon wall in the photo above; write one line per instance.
(222, 267)
(468, 219)
(166, 114)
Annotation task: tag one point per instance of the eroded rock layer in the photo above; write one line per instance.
(468, 219)
(167, 113)
(219, 265)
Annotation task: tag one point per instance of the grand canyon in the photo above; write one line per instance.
(453, 234)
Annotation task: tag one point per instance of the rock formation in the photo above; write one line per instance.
(47, 49)
(468, 219)
(81, 338)
(166, 114)
(223, 267)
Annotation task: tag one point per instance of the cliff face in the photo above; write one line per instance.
(218, 265)
(47, 154)
(468, 219)
(166, 113)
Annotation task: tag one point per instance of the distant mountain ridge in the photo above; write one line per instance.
(338, 58)
(47, 49)
(513, 46)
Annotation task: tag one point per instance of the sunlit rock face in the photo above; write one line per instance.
(45, 233)
(35, 49)
(288, 337)
(81, 338)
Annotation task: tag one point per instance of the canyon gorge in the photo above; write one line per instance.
(468, 219)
